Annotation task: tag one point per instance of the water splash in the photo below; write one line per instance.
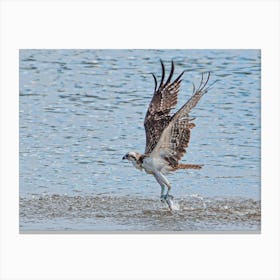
(60, 212)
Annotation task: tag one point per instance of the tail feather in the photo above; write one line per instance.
(189, 166)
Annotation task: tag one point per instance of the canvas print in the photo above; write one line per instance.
(139, 140)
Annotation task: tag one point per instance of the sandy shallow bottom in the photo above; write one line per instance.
(105, 213)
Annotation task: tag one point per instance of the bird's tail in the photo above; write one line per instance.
(189, 166)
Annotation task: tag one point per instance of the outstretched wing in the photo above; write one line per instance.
(175, 138)
(158, 113)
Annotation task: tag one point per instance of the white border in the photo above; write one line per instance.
(154, 24)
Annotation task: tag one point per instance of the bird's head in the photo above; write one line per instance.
(134, 158)
(131, 156)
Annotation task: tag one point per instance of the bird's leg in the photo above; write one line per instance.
(167, 193)
(162, 185)
(168, 198)
(164, 182)
(162, 196)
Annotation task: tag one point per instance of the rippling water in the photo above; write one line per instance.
(82, 110)
(121, 213)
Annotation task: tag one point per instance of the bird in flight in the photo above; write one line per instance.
(167, 135)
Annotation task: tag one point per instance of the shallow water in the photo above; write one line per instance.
(82, 110)
(103, 212)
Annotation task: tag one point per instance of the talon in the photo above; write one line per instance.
(168, 199)
(169, 196)
(169, 202)
(165, 197)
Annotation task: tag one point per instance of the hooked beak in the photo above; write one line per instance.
(124, 157)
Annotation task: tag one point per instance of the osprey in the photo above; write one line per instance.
(167, 136)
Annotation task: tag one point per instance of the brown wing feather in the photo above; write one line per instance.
(176, 136)
(158, 113)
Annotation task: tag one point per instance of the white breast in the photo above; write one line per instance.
(151, 165)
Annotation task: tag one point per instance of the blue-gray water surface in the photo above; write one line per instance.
(82, 110)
